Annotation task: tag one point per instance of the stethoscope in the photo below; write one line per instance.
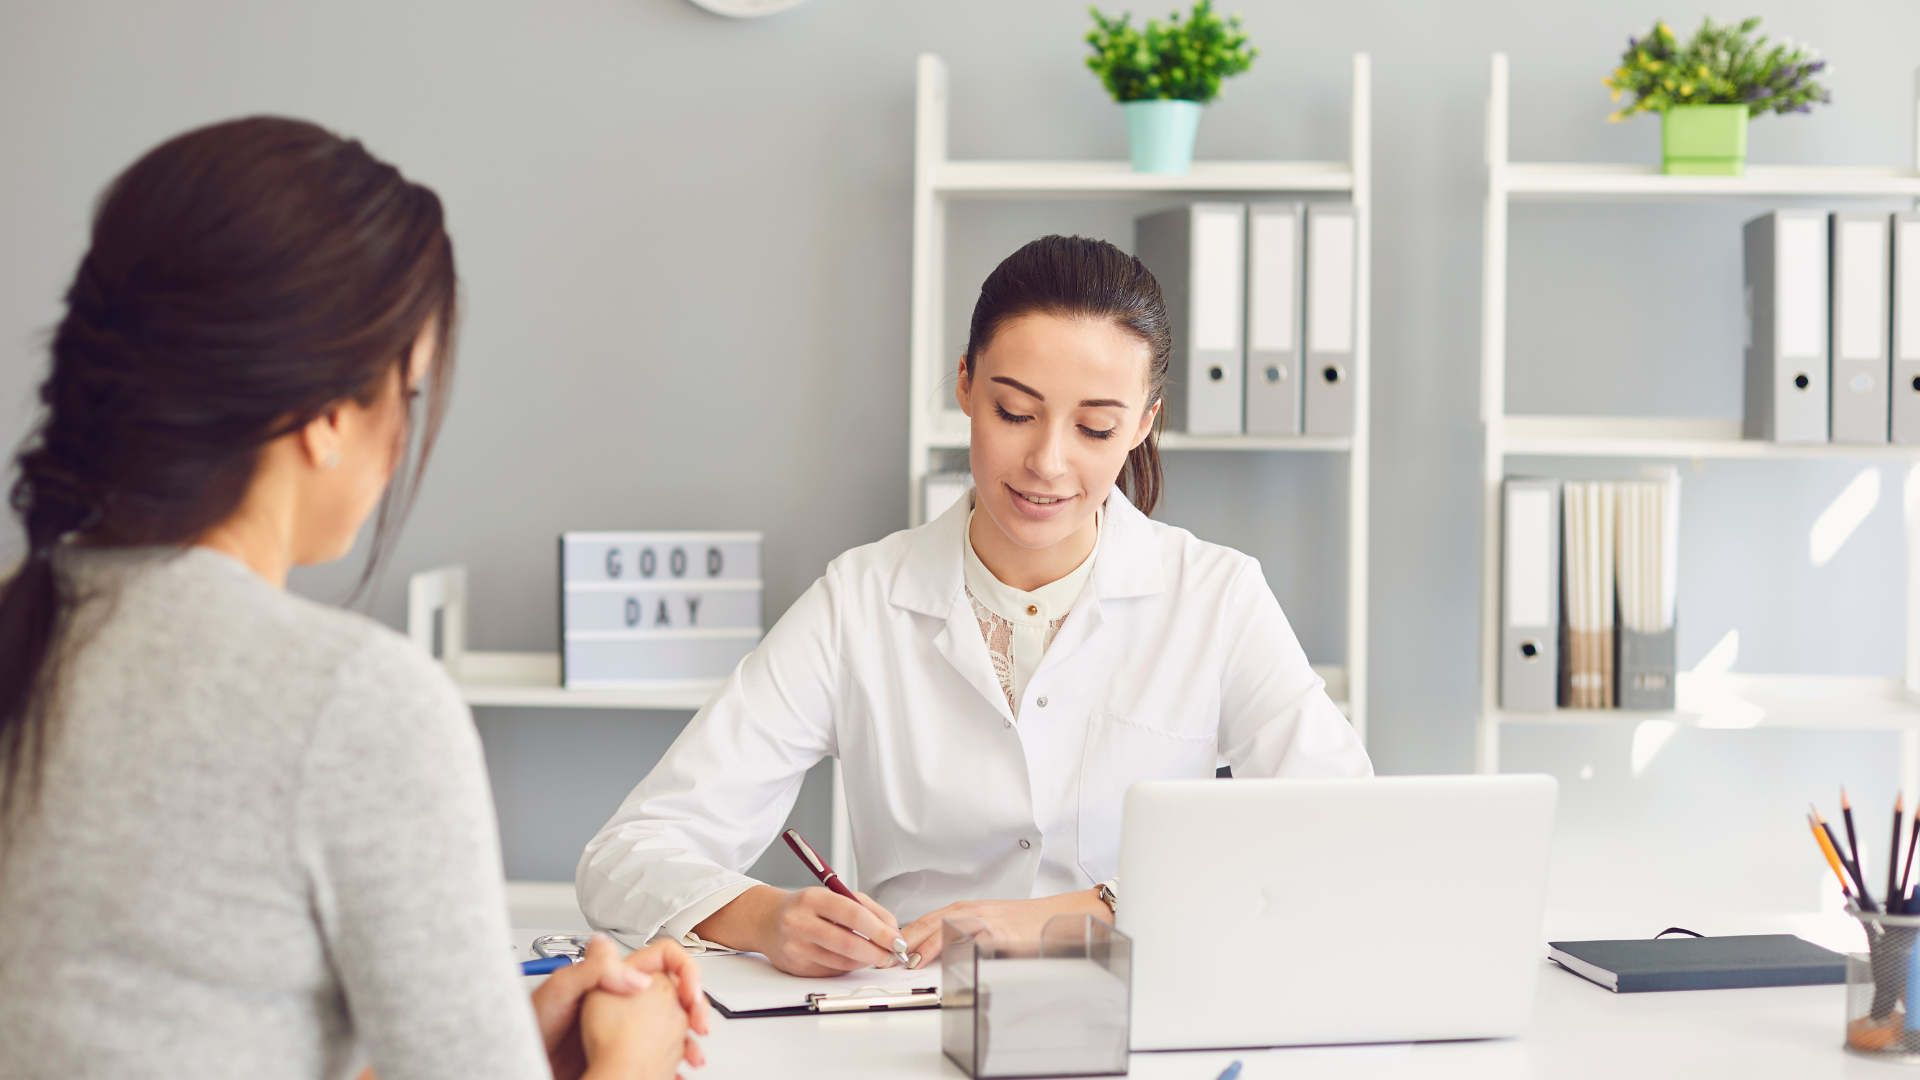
(555, 951)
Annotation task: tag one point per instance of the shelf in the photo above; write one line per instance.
(1538, 180)
(1178, 440)
(988, 179)
(1665, 437)
(1831, 702)
(1717, 701)
(940, 182)
(532, 680)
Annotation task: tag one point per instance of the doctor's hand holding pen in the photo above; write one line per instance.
(812, 932)
(826, 931)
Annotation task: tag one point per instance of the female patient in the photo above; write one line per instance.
(242, 834)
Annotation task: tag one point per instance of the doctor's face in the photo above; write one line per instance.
(1056, 405)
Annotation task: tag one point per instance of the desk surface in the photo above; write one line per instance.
(1579, 1031)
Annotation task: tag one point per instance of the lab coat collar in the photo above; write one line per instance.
(931, 578)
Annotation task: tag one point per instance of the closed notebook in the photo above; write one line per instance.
(1706, 963)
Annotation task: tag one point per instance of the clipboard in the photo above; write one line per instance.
(745, 985)
(866, 999)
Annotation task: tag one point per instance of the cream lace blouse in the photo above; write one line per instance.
(1019, 626)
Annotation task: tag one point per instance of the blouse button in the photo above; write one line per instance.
(1033, 609)
(1008, 723)
(1024, 844)
(1042, 703)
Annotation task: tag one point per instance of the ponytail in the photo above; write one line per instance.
(1141, 479)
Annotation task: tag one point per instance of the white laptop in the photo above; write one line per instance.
(1297, 912)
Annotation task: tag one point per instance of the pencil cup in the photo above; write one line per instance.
(1054, 1007)
(1881, 1023)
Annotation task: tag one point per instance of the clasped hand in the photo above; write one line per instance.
(608, 1017)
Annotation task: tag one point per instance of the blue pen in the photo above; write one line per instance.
(1229, 1072)
(546, 965)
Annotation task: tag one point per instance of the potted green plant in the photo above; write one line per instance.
(1706, 90)
(1163, 74)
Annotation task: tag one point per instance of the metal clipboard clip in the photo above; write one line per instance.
(872, 998)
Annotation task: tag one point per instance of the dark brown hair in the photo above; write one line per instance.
(1076, 278)
(241, 280)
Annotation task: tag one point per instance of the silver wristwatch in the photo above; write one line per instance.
(1109, 893)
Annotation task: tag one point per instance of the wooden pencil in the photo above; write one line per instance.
(1821, 838)
(1859, 882)
(1853, 842)
(1895, 905)
(1906, 873)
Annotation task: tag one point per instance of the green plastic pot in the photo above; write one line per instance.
(1160, 134)
(1704, 140)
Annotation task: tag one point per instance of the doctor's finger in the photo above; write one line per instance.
(856, 917)
(883, 914)
(822, 960)
(835, 937)
(923, 937)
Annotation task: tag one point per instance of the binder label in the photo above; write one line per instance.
(1330, 301)
(1531, 560)
(1861, 304)
(1272, 287)
(1908, 273)
(1802, 266)
(1216, 284)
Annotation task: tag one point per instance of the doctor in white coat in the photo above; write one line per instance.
(991, 682)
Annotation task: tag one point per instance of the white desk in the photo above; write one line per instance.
(1579, 1031)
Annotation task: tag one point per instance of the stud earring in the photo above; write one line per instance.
(332, 460)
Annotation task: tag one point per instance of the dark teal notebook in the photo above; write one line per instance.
(1706, 963)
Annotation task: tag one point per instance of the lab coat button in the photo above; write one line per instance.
(1026, 844)
(1042, 703)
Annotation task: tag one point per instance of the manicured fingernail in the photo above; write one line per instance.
(913, 961)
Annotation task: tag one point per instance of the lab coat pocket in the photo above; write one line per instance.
(1120, 753)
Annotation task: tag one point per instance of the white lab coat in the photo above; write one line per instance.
(1175, 652)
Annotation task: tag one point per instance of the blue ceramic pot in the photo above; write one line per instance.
(1160, 134)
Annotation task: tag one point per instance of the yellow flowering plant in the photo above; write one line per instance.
(1722, 64)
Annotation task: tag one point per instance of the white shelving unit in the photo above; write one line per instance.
(1724, 701)
(938, 180)
(437, 601)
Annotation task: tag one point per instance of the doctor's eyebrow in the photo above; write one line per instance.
(1089, 403)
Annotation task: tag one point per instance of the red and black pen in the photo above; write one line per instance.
(832, 881)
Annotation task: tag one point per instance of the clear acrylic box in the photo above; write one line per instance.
(1058, 1006)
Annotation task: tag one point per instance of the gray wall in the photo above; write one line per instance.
(686, 239)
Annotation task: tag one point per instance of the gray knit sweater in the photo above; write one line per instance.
(265, 847)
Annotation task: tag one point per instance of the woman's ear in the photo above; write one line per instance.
(1146, 424)
(963, 388)
(320, 439)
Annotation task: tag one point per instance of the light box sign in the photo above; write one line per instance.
(643, 608)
